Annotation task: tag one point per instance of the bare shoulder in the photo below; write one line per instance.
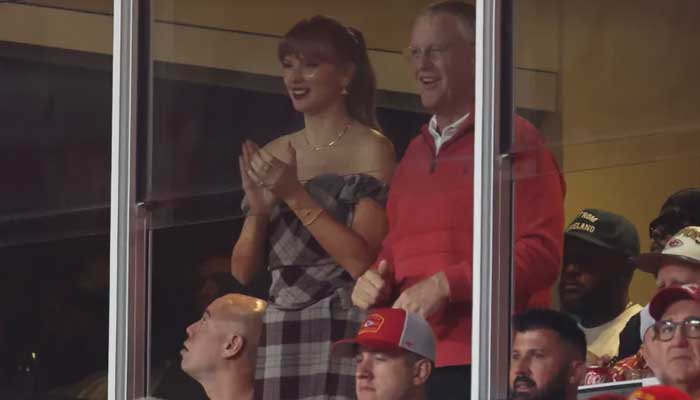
(279, 147)
(375, 151)
(374, 144)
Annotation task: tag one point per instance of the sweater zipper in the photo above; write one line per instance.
(433, 159)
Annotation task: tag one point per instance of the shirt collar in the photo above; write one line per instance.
(432, 125)
(447, 133)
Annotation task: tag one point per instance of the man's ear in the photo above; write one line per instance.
(645, 354)
(421, 371)
(578, 371)
(643, 351)
(233, 346)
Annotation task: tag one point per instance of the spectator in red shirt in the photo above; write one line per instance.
(425, 265)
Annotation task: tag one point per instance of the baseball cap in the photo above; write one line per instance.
(606, 229)
(391, 329)
(666, 297)
(683, 246)
(659, 392)
(684, 203)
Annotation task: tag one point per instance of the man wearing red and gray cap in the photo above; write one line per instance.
(394, 352)
(673, 353)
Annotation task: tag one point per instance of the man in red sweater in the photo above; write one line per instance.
(425, 265)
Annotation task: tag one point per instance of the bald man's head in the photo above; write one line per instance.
(227, 334)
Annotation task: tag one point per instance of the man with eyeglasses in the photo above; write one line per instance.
(678, 211)
(425, 265)
(677, 264)
(672, 350)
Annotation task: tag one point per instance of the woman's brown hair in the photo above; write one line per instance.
(324, 39)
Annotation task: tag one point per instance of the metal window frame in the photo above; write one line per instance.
(493, 195)
(126, 374)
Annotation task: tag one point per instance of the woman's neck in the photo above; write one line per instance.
(323, 127)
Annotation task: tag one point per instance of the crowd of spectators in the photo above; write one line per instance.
(384, 250)
(371, 260)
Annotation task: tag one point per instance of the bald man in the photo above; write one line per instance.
(220, 350)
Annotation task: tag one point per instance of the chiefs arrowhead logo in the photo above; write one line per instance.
(372, 324)
(675, 243)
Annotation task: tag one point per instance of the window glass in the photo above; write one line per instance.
(55, 104)
(611, 89)
(218, 82)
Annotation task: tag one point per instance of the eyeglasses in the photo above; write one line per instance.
(666, 330)
(432, 53)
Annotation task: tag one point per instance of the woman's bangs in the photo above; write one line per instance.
(308, 46)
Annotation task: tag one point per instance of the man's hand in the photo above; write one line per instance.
(373, 287)
(426, 297)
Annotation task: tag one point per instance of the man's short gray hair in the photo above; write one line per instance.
(465, 12)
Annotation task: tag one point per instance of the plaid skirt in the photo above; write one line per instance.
(294, 359)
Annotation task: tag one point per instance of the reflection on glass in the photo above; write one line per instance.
(321, 114)
(55, 101)
(609, 87)
(314, 199)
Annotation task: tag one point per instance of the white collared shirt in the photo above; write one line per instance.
(448, 132)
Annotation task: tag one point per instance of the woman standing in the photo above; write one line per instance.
(314, 211)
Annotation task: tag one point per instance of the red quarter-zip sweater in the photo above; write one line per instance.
(430, 217)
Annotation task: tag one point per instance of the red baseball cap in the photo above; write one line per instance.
(659, 392)
(664, 298)
(391, 329)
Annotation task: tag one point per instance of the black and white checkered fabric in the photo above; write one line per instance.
(310, 304)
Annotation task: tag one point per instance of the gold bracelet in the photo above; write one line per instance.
(309, 215)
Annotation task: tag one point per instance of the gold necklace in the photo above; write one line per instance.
(332, 142)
